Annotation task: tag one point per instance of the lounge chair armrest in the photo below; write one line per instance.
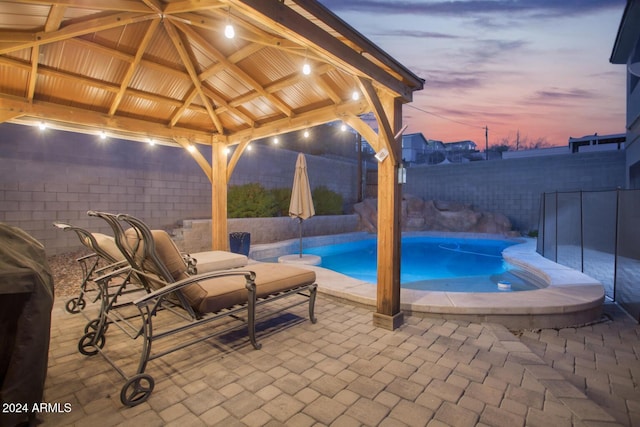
(114, 273)
(153, 296)
(85, 257)
(115, 265)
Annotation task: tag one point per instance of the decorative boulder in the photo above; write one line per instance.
(420, 215)
(368, 211)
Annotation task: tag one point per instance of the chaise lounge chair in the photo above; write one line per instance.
(230, 295)
(103, 250)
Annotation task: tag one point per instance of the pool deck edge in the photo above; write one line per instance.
(570, 297)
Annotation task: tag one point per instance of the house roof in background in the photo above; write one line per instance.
(628, 33)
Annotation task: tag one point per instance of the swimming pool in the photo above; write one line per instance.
(431, 263)
(567, 297)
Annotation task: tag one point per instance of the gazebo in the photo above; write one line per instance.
(209, 73)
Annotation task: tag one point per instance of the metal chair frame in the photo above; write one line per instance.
(108, 292)
(89, 265)
(166, 292)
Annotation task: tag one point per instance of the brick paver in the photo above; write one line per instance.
(342, 371)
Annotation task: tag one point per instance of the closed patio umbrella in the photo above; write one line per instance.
(301, 205)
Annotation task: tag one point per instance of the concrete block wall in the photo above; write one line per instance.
(195, 235)
(274, 168)
(513, 187)
(58, 176)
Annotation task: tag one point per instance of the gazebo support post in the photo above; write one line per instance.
(388, 314)
(219, 232)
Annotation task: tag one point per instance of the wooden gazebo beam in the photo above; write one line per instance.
(102, 23)
(84, 120)
(220, 96)
(388, 112)
(295, 26)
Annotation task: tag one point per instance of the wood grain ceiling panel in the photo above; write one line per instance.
(167, 63)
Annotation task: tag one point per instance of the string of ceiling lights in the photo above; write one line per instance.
(230, 33)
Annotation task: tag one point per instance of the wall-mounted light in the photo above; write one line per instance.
(306, 134)
(402, 174)
(343, 127)
(276, 140)
(381, 155)
(249, 148)
(355, 95)
(103, 135)
(151, 141)
(191, 148)
(42, 125)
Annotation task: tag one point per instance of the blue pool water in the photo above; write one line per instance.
(430, 263)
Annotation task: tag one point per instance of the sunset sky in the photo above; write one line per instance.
(539, 67)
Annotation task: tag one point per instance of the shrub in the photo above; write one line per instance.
(326, 202)
(282, 196)
(250, 201)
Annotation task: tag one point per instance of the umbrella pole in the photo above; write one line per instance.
(300, 232)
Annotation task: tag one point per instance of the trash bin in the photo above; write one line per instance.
(26, 300)
(240, 242)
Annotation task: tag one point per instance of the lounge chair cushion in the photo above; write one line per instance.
(212, 295)
(169, 254)
(166, 250)
(218, 260)
(108, 245)
(224, 292)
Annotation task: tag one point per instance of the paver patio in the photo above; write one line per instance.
(342, 371)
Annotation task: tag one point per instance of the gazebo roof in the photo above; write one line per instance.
(164, 69)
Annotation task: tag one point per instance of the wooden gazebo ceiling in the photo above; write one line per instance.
(164, 68)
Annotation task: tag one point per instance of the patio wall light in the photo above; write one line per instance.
(381, 155)
(402, 174)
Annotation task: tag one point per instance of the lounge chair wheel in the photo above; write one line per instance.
(137, 389)
(87, 346)
(75, 305)
(93, 326)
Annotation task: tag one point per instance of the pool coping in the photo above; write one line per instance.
(570, 297)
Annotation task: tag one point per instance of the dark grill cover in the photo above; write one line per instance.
(26, 299)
